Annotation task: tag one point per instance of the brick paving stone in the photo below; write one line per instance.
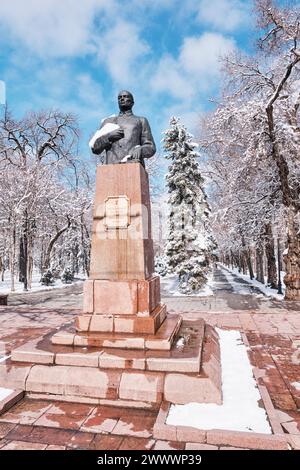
(81, 440)
(169, 445)
(19, 433)
(133, 426)
(5, 428)
(289, 416)
(282, 401)
(134, 443)
(101, 420)
(189, 434)
(232, 448)
(60, 421)
(51, 447)
(71, 409)
(26, 412)
(3, 442)
(198, 446)
(106, 442)
(17, 418)
(51, 436)
(246, 440)
(20, 445)
(294, 441)
(291, 427)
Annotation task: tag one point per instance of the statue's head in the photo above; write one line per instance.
(125, 100)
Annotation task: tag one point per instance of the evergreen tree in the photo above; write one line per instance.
(190, 242)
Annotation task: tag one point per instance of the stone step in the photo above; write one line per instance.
(111, 375)
(184, 356)
(162, 340)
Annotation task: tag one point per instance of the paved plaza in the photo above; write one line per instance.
(270, 329)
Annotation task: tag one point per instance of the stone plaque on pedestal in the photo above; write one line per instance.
(117, 213)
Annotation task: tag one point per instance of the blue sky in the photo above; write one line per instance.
(77, 54)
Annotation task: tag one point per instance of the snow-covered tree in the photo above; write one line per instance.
(43, 193)
(252, 140)
(190, 242)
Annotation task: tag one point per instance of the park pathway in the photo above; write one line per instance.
(230, 294)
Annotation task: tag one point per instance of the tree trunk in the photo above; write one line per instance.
(86, 250)
(2, 269)
(22, 258)
(289, 199)
(292, 258)
(12, 258)
(29, 261)
(53, 240)
(249, 264)
(271, 260)
(259, 264)
(23, 253)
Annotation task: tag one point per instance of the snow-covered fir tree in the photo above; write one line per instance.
(190, 243)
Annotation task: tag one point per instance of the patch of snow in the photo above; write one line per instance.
(4, 393)
(240, 410)
(106, 129)
(3, 359)
(180, 343)
(170, 284)
(36, 285)
(296, 385)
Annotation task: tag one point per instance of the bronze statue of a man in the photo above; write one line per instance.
(131, 138)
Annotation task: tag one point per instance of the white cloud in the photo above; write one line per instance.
(197, 68)
(169, 77)
(224, 15)
(52, 28)
(201, 55)
(119, 49)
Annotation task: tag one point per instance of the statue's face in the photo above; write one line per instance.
(125, 100)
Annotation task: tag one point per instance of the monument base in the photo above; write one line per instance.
(161, 340)
(189, 372)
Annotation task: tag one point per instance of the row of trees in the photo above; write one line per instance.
(45, 196)
(252, 146)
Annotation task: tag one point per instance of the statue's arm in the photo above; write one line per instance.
(102, 143)
(147, 141)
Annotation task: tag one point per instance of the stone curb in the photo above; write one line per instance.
(216, 437)
(10, 400)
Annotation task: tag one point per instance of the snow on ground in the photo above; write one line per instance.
(4, 392)
(3, 359)
(296, 385)
(170, 284)
(36, 286)
(240, 410)
(239, 289)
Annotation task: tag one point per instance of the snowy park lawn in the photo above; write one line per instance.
(36, 285)
(240, 410)
(170, 285)
(263, 288)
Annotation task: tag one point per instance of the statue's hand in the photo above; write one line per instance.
(136, 153)
(116, 135)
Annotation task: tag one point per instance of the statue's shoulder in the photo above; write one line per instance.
(112, 118)
(142, 119)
